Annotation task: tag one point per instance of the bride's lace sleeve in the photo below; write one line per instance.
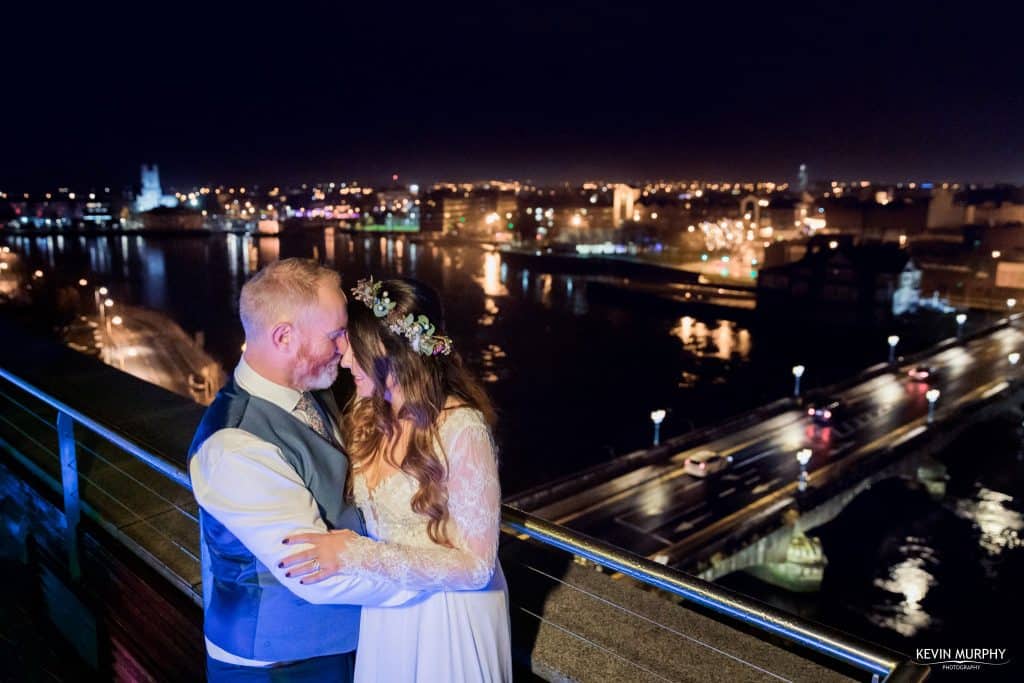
(474, 506)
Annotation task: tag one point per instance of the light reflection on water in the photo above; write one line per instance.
(724, 341)
(908, 582)
(999, 524)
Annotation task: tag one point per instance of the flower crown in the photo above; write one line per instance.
(418, 330)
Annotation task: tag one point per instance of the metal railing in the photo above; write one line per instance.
(880, 663)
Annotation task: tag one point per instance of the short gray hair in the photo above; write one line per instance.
(282, 290)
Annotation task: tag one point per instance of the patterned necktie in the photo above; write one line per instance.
(307, 407)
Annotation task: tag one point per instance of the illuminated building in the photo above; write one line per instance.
(152, 195)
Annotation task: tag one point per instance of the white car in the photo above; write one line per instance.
(703, 463)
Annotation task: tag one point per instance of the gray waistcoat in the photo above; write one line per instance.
(247, 612)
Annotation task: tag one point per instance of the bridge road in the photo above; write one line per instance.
(647, 517)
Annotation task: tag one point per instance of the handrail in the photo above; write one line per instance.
(165, 468)
(865, 657)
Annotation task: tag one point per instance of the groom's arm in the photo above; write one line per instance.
(245, 483)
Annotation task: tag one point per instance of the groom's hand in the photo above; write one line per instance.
(322, 560)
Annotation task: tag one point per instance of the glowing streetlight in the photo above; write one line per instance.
(103, 291)
(37, 274)
(83, 282)
(798, 372)
(932, 395)
(803, 456)
(1010, 303)
(893, 340)
(657, 417)
(961, 318)
(108, 302)
(117, 320)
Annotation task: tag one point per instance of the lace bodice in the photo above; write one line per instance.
(399, 548)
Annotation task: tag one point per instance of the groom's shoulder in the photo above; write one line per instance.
(227, 411)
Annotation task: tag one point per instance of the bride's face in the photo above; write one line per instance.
(364, 385)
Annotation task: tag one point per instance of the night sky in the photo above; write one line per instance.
(545, 91)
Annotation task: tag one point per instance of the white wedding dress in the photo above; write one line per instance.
(459, 629)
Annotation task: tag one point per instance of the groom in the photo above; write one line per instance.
(266, 463)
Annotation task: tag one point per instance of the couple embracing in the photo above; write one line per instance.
(349, 544)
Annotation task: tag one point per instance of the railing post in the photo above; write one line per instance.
(69, 478)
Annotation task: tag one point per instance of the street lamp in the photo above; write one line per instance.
(961, 318)
(803, 456)
(798, 372)
(1010, 303)
(932, 395)
(657, 417)
(1014, 358)
(83, 282)
(893, 340)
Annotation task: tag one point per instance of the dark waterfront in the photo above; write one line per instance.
(574, 375)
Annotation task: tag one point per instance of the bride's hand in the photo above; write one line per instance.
(322, 560)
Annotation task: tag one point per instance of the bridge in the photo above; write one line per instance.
(751, 515)
(100, 535)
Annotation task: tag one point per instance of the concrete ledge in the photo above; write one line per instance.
(580, 624)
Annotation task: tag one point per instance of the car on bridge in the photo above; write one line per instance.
(706, 462)
(923, 373)
(825, 410)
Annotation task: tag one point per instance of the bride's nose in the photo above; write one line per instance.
(346, 358)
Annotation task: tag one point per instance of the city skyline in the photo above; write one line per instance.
(550, 94)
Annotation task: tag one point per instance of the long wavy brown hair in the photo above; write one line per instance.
(429, 384)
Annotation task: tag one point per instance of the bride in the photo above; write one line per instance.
(424, 475)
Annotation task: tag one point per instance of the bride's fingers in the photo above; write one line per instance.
(304, 569)
(296, 558)
(303, 538)
(315, 577)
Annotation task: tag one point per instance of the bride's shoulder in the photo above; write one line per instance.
(457, 416)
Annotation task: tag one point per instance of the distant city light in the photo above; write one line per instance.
(103, 291)
(996, 253)
(37, 274)
(83, 282)
(117, 320)
(108, 303)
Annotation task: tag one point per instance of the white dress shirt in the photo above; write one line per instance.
(273, 503)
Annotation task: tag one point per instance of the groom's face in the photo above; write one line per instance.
(322, 342)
